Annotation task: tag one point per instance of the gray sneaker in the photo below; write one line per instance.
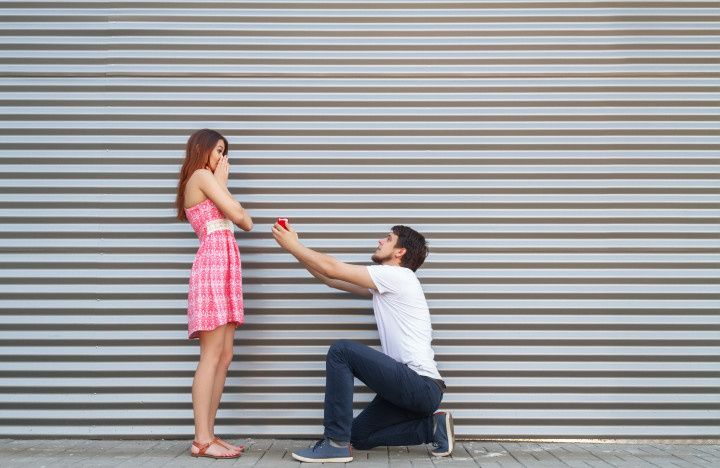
(444, 435)
(324, 452)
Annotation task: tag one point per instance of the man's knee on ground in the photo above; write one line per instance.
(361, 444)
(360, 439)
(359, 435)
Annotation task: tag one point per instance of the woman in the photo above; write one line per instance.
(215, 304)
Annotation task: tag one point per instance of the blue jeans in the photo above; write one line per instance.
(400, 414)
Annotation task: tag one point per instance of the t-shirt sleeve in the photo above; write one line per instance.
(386, 278)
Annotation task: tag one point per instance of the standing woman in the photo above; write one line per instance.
(215, 303)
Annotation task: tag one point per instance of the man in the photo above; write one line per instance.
(404, 376)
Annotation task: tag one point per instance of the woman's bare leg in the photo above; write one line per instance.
(211, 350)
(220, 376)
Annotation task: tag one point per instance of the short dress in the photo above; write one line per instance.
(215, 293)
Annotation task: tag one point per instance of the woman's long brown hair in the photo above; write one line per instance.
(197, 152)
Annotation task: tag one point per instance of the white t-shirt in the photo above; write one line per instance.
(403, 318)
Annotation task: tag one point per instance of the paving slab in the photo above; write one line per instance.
(158, 454)
(43, 452)
(277, 453)
(579, 456)
(254, 451)
(491, 454)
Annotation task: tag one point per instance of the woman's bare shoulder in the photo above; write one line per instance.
(200, 174)
(193, 189)
(200, 178)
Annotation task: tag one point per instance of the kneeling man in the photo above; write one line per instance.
(404, 375)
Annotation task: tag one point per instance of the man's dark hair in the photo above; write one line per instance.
(415, 245)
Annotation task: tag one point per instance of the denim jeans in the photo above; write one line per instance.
(400, 414)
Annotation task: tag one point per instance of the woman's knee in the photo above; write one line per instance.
(211, 352)
(214, 345)
(211, 357)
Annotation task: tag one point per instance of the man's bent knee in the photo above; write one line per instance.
(339, 347)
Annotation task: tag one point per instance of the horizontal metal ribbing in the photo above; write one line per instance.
(561, 158)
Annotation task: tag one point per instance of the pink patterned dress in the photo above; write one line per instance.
(215, 293)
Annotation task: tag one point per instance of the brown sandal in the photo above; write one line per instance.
(227, 446)
(202, 448)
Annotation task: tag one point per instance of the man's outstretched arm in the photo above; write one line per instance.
(329, 270)
(339, 284)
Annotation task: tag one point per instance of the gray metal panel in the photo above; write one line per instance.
(562, 159)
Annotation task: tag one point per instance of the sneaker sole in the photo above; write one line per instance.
(322, 460)
(450, 428)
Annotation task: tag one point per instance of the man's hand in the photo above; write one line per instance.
(286, 238)
(327, 267)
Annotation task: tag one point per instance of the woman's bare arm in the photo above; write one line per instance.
(223, 199)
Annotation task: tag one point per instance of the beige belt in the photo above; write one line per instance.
(218, 225)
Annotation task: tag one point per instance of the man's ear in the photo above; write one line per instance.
(400, 252)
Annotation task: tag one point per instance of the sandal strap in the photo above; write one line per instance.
(218, 441)
(202, 448)
(225, 444)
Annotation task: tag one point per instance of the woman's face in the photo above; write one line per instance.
(216, 154)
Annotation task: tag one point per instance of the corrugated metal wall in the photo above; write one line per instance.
(561, 157)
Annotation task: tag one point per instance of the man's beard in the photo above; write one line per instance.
(379, 260)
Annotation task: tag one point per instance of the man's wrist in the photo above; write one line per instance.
(295, 247)
(303, 254)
